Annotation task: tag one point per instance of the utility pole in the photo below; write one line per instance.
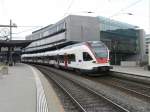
(11, 48)
(10, 38)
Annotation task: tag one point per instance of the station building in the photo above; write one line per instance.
(10, 50)
(125, 41)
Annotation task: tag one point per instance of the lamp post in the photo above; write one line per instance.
(10, 49)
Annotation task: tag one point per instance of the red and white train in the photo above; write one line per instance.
(89, 57)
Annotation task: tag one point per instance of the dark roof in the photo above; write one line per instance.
(15, 43)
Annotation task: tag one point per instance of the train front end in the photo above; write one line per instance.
(101, 55)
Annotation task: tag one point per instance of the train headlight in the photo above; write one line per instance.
(93, 61)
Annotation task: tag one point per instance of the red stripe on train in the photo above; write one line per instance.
(102, 60)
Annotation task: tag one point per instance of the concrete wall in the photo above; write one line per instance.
(78, 28)
(129, 63)
(82, 28)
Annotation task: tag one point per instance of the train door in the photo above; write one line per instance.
(79, 60)
(87, 60)
(56, 62)
(66, 60)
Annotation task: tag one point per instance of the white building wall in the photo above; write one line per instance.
(82, 28)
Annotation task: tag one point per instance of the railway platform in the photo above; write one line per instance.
(25, 89)
(138, 71)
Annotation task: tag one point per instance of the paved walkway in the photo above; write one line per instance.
(132, 70)
(21, 90)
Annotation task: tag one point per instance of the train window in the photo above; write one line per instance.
(71, 57)
(50, 57)
(86, 56)
(55, 57)
(100, 50)
(61, 58)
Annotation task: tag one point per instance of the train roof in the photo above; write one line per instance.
(55, 52)
(82, 43)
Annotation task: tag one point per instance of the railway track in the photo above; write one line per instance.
(84, 98)
(141, 91)
(66, 102)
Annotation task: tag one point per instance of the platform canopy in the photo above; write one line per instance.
(14, 43)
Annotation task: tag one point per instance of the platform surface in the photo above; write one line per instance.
(132, 70)
(19, 91)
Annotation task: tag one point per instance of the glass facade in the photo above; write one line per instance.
(147, 42)
(122, 39)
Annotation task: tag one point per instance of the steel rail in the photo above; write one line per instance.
(100, 95)
(72, 98)
(92, 91)
(127, 89)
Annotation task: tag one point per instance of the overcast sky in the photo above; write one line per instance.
(44, 12)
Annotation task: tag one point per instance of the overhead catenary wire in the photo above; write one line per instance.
(127, 7)
(68, 8)
(26, 30)
(29, 26)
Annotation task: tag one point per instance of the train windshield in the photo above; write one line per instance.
(99, 49)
